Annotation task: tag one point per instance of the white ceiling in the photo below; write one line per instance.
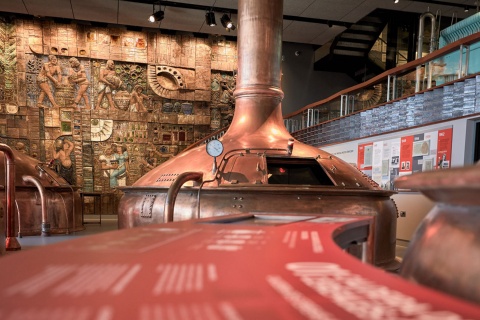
(134, 13)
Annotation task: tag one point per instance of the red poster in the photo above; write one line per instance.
(364, 160)
(406, 147)
(444, 148)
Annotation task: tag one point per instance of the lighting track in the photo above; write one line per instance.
(289, 17)
(235, 11)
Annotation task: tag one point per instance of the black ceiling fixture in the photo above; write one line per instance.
(227, 22)
(210, 18)
(156, 15)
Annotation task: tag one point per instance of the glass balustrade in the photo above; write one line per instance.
(433, 80)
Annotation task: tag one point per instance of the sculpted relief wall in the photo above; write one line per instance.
(105, 105)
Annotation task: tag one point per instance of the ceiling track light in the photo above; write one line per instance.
(396, 1)
(227, 22)
(466, 9)
(210, 18)
(156, 15)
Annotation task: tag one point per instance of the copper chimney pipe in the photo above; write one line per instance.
(11, 242)
(258, 93)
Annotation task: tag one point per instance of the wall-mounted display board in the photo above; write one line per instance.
(382, 157)
(386, 160)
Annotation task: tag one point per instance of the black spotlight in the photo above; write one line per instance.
(227, 22)
(157, 16)
(210, 18)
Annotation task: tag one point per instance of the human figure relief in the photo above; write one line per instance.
(78, 76)
(228, 88)
(108, 81)
(118, 176)
(108, 164)
(136, 99)
(50, 72)
(149, 160)
(61, 153)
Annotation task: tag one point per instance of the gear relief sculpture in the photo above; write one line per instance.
(164, 79)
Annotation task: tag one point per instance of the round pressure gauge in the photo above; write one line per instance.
(214, 148)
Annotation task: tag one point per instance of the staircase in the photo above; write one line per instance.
(349, 51)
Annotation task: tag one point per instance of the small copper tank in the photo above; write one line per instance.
(444, 252)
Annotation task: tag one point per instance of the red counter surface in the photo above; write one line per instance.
(260, 267)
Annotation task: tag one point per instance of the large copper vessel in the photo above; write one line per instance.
(261, 169)
(445, 250)
(35, 199)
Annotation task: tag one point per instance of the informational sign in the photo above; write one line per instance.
(365, 156)
(190, 270)
(406, 145)
(386, 160)
(444, 149)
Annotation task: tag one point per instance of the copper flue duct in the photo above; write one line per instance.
(258, 94)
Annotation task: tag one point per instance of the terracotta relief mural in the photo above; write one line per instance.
(8, 61)
(104, 106)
